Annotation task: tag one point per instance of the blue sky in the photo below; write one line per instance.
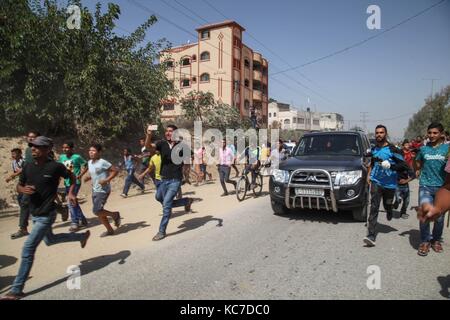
(383, 77)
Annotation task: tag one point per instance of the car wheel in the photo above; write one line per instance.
(279, 209)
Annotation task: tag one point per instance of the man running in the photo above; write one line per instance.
(430, 164)
(17, 165)
(102, 172)
(382, 180)
(226, 158)
(78, 166)
(24, 214)
(171, 177)
(39, 180)
(129, 162)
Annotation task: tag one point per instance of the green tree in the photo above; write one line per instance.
(89, 82)
(436, 109)
(224, 116)
(196, 104)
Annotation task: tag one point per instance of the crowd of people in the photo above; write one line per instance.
(40, 172)
(391, 170)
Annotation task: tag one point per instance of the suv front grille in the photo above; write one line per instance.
(310, 178)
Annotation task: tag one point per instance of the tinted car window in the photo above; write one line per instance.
(329, 145)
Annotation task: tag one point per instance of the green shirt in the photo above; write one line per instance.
(74, 165)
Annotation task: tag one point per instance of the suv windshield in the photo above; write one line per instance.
(338, 144)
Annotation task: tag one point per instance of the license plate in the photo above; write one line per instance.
(309, 192)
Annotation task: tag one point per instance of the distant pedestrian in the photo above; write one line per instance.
(226, 158)
(17, 165)
(129, 162)
(78, 166)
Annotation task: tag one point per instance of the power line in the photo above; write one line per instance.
(191, 11)
(278, 56)
(357, 44)
(364, 119)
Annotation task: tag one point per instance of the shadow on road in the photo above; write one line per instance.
(383, 228)
(92, 222)
(6, 261)
(130, 227)
(88, 266)
(445, 285)
(195, 223)
(320, 216)
(414, 238)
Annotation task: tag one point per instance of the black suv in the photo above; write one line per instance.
(326, 171)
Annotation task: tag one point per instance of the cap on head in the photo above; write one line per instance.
(41, 141)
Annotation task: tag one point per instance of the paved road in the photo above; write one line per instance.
(252, 254)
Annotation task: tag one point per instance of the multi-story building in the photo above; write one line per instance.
(221, 64)
(293, 119)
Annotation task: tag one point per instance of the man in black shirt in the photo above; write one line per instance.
(171, 176)
(39, 180)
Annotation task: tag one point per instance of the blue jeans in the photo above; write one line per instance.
(24, 213)
(129, 180)
(76, 214)
(165, 193)
(402, 193)
(426, 195)
(42, 230)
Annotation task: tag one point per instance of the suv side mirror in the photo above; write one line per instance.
(368, 153)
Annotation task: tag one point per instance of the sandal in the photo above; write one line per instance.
(437, 246)
(424, 249)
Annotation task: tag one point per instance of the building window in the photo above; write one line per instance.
(316, 122)
(169, 64)
(204, 34)
(237, 42)
(287, 121)
(204, 56)
(247, 104)
(168, 106)
(185, 83)
(270, 114)
(246, 83)
(194, 79)
(274, 114)
(194, 57)
(204, 77)
(185, 61)
(301, 120)
(237, 64)
(247, 63)
(294, 120)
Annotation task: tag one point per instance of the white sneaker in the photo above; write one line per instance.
(123, 195)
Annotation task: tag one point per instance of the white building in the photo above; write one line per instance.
(292, 119)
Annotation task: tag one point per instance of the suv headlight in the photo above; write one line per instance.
(281, 176)
(347, 177)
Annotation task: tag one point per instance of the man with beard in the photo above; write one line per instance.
(382, 179)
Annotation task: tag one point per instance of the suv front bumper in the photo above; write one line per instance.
(335, 197)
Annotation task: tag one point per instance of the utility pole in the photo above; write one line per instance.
(364, 118)
(432, 85)
(431, 96)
